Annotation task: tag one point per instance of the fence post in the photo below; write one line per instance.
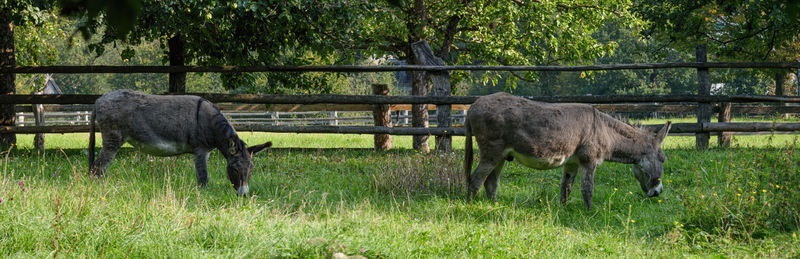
(276, 116)
(38, 116)
(441, 87)
(382, 116)
(724, 138)
(703, 89)
(333, 121)
(177, 81)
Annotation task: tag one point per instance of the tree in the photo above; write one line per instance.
(207, 32)
(733, 30)
(287, 32)
(14, 14)
(510, 32)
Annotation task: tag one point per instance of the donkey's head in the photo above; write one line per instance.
(240, 163)
(648, 169)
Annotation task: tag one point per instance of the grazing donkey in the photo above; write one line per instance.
(547, 135)
(168, 126)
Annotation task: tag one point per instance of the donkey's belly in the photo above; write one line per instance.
(162, 148)
(541, 163)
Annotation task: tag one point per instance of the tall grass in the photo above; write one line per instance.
(316, 199)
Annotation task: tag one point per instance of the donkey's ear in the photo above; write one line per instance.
(257, 148)
(662, 133)
(232, 145)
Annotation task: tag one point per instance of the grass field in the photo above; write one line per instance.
(311, 198)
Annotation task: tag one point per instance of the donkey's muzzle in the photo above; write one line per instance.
(243, 189)
(655, 191)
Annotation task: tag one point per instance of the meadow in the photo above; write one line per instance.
(318, 194)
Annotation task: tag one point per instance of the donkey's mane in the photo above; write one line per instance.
(622, 125)
(220, 124)
(627, 120)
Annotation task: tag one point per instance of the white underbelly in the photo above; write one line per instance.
(541, 163)
(162, 148)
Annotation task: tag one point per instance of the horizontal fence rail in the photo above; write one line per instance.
(381, 99)
(365, 68)
(294, 109)
(305, 104)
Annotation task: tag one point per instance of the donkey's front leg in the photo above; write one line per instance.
(200, 166)
(587, 182)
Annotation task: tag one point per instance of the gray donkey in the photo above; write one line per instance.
(547, 135)
(168, 126)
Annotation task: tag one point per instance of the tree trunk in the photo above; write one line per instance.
(703, 89)
(441, 87)
(177, 81)
(7, 85)
(419, 112)
(417, 24)
(780, 87)
(780, 83)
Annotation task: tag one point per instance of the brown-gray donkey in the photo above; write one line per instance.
(167, 126)
(548, 135)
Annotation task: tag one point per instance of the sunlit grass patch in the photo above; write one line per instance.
(315, 195)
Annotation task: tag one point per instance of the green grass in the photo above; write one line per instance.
(316, 199)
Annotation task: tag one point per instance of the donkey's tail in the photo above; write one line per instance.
(467, 150)
(91, 140)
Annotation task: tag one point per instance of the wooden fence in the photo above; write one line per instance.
(672, 105)
(703, 104)
(399, 118)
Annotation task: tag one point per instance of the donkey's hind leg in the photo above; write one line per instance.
(484, 169)
(570, 171)
(112, 141)
(490, 185)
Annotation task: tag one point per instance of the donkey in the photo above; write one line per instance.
(169, 126)
(548, 135)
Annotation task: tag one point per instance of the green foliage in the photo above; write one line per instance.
(77, 52)
(239, 33)
(494, 32)
(24, 12)
(743, 82)
(36, 45)
(734, 30)
(631, 49)
(335, 32)
(118, 14)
